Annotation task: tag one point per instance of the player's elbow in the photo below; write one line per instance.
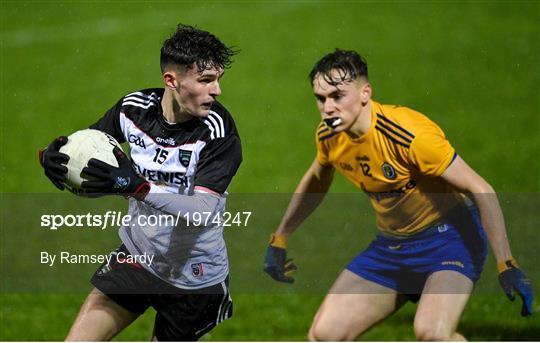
(482, 187)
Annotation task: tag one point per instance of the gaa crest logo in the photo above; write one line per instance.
(185, 157)
(388, 171)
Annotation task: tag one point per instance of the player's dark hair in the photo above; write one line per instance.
(188, 45)
(349, 64)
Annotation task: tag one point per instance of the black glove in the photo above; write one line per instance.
(513, 279)
(107, 179)
(53, 162)
(275, 262)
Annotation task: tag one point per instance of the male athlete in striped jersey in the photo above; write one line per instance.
(184, 151)
(431, 246)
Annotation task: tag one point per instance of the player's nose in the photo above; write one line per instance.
(329, 107)
(215, 90)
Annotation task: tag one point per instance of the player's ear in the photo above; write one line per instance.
(365, 92)
(169, 78)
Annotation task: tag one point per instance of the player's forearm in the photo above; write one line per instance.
(306, 198)
(493, 222)
(465, 179)
(300, 207)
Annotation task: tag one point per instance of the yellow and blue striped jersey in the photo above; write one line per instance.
(397, 163)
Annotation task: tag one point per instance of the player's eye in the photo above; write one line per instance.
(338, 96)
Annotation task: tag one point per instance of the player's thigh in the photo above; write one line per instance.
(100, 318)
(441, 305)
(351, 307)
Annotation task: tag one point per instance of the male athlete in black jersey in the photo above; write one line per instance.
(184, 150)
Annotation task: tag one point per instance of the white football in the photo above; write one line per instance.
(81, 147)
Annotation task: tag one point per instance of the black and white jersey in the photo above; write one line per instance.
(201, 153)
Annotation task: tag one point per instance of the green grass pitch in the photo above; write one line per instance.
(470, 66)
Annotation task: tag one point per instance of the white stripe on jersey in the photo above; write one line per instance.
(144, 96)
(220, 121)
(215, 124)
(212, 135)
(136, 104)
(142, 100)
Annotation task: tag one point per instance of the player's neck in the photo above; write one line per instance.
(362, 124)
(172, 111)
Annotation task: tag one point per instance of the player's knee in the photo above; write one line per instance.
(322, 331)
(427, 331)
(320, 334)
(433, 336)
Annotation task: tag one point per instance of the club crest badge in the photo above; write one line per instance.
(185, 157)
(197, 269)
(388, 171)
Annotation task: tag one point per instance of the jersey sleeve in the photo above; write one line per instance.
(110, 123)
(431, 153)
(218, 162)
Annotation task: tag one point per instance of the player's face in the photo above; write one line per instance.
(340, 104)
(197, 90)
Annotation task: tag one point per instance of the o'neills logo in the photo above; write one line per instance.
(169, 140)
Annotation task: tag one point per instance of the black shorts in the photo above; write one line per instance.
(182, 315)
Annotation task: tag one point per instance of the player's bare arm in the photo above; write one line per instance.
(306, 198)
(460, 175)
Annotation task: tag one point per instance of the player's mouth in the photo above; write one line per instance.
(207, 104)
(333, 122)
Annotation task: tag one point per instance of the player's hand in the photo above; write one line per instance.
(512, 279)
(275, 262)
(53, 162)
(107, 179)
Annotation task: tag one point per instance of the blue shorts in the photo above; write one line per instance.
(458, 243)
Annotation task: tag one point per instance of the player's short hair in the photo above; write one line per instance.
(349, 64)
(189, 45)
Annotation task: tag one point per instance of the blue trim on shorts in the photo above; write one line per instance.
(403, 264)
